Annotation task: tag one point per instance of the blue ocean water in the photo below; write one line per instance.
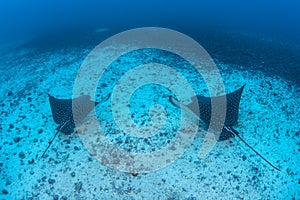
(50, 46)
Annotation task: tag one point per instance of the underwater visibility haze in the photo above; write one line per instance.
(150, 99)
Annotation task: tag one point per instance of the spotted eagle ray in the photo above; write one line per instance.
(231, 117)
(67, 112)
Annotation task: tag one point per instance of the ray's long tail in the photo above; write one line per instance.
(236, 134)
(60, 127)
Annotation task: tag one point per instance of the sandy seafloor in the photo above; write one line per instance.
(269, 120)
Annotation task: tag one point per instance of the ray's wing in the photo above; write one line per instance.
(232, 106)
(81, 107)
(66, 112)
(61, 109)
(233, 103)
(204, 104)
(70, 111)
(232, 109)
